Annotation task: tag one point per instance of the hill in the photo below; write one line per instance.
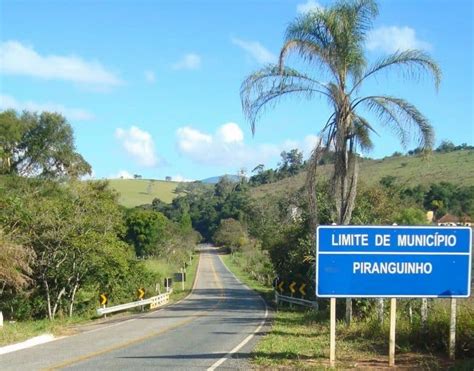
(134, 192)
(455, 167)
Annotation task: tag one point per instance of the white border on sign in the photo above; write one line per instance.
(392, 253)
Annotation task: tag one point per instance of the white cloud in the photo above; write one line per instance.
(18, 59)
(76, 114)
(226, 147)
(309, 144)
(139, 145)
(391, 39)
(230, 133)
(189, 61)
(191, 140)
(309, 6)
(256, 50)
(150, 76)
(180, 178)
(122, 174)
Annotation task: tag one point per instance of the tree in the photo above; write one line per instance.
(14, 263)
(331, 40)
(73, 229)
(39, 145)
(446, 146)
(146, 231)
(12, 129)
(291, 163)
(230, 234)
(411, 216)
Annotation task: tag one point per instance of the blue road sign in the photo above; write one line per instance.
(393, 261)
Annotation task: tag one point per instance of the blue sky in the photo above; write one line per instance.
(152, 87)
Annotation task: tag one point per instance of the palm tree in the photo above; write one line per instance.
(331, 41)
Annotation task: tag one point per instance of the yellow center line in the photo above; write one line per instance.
(149, 336)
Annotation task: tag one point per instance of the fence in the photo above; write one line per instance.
(307, 303)
(154, 302)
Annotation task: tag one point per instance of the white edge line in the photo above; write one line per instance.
(37, 340)
(248, 338)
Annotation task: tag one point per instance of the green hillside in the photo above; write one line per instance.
(455, 167)
(134, 192)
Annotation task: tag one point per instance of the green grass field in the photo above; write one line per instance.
(455, 167)
(134, 192)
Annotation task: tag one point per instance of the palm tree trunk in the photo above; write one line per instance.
(345, 177)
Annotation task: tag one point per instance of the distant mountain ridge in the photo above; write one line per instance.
(215, 179)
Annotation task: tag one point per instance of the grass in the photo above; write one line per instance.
(165, 269)
(299, 338)
(134, 192)
(14, 332)
(455, 167)
(231, 262)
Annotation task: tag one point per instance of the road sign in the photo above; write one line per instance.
(103, 299)
(393, 261)
(292, 287)
(140, 293)
(179, 277)
(302, 290)
(280, 286)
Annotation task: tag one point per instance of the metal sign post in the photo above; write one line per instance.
(394, 262)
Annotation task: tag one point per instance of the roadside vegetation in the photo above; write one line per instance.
(299, 337)
(64, 241)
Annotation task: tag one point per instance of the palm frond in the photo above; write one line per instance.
(309, 52)
(403, 117)
(361, 132)
(411, 62)
(264, 88)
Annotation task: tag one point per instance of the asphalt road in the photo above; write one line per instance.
(213, 327)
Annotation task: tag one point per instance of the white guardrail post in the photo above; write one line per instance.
(154, 301)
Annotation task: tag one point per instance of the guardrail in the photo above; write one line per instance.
(307, 303)
(154, 302)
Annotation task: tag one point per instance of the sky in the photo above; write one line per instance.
(153, 87)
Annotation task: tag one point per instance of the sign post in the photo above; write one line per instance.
(332, 335)
(391, 342)
(103, 301)
(452, 331)
(140, 295)
(394, 262)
